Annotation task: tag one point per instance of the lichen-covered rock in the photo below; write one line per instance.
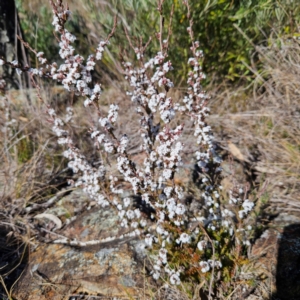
(57, 271)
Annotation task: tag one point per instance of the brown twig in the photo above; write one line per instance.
(161, 24)
(128, 38)
(170, 27)
(113, 29)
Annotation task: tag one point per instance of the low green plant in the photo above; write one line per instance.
(229, 31)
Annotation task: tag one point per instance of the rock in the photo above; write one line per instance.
(61, 272)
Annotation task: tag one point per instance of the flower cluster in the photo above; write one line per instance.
(91, 177)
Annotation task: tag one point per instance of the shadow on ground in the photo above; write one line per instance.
(13, 259)
(288, 265)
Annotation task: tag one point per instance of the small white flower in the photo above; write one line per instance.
(247, 205)
(167, 173)
(204, 266)
(101, 138)
(247, 243)
(163, 255)
(174, 279)
(121, 214)
(130, 214)
(108, 146)
(215, 263)
(143, 222)
(126, 202)
(180, 209)
(168, 191)
(201, 245)
(134, 224)
(184, 238)
(97, 88)
(149, 240)
(87, 102)
(137, 213)
(156, 275)
(103, 121)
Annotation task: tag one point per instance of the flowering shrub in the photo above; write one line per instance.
(189, 239)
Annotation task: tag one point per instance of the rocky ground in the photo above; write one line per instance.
(118, 269)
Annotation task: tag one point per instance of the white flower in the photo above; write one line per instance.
(184, 238)
(97, 88)
(204, 266)
(126, 202)
(113, 113)
(101, 138)
(62, 141)
(108, 147)
(153, 156)
(167, 173)
(247, 243)
(51, 112)
(137, 213)
(124, 140)
(70, 37)
(143, 222)
(174, 279)
(156, 275)
(130, 214)
(247, 205)
(201, 245)
(168, 190)
(103, 121)
(87, 102)
(161, 215)
(180, 209)
(218, 264)
(149, 240)
(121, 214)
(171, 204)
(163, 255)
(134, 224)
(216, 194)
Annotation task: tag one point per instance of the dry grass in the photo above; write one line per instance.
(31, 171)
(262, 131)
